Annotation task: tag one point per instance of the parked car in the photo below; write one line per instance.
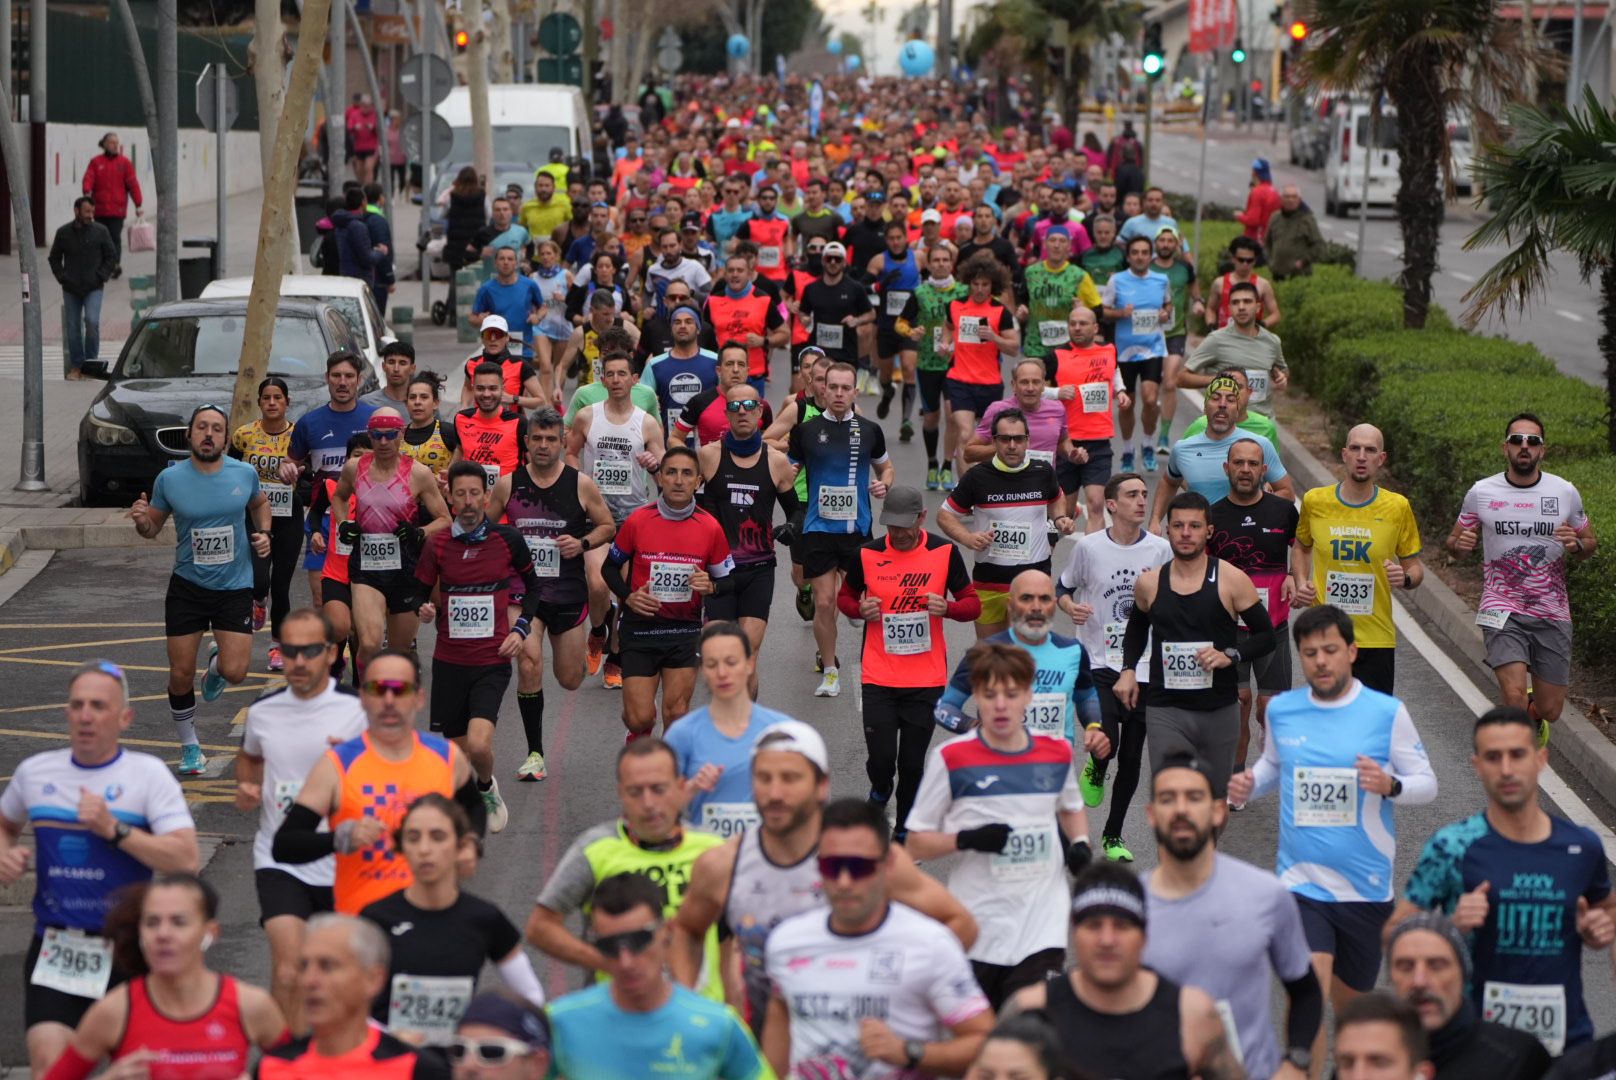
(1463, 149)
(184, 354)
(1350, 139)
(350, 296)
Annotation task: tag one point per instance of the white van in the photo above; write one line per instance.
(529, 120)
(1349, 139)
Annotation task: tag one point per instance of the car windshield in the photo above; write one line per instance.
(528, 144)
(183, 345)
(353, 313)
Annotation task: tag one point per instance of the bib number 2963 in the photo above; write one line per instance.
(74, 963)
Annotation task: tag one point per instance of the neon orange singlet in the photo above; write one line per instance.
(373, 786)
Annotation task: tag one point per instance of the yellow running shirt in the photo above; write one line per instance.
(1350, 546)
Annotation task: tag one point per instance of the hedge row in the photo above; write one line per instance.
(1442, 396)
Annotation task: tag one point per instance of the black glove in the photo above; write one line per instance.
(1078, 856)
(786, 534)
(348, 532)
(989, 839)
(410, 535)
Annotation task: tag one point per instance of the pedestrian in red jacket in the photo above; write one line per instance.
(109, 179)
(1261, 203)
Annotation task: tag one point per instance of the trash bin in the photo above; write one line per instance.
(309, 206)
(196, 270)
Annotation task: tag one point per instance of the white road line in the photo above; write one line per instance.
(1387, 249)
(1557, 789)
(1468, 279)
(1572, 315)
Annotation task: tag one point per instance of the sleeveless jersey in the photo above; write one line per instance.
(514, 368)
(1143, 1045)
(337, 553)
(608, 456)
(762, 895)
(1178, 622)
(799, 280)
(976, 359)
(897, 283)
(541, 514)
(372, 786)
(213, 1046)
(497, 443)
(589, 371)
(733, 318)
(742, 499)
(1093, 372)
(769, 234)
(434, 450)
(381, 506)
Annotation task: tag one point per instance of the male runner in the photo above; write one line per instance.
(1198, 461)
(1139, 303)
(521, 383)
(492, 434)
(1244, 251)
(707, 414)
(838, 306)
(398, 368)
(682, 372)
(581, 356)
(1088, 381)
(771, 232)
(741, 311)
(895, 274)
(1242, 343)
(1048, 440)
(925, 322)
(1048, 292)
(1180, 274)
(209, 496)
(514, 299)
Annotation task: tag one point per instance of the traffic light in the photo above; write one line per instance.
(1154, 61)
(1238, 54)
(462, 39)
(1298, 32)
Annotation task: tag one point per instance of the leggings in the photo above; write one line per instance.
(1126, 729)
(272, 577)
(897, 733)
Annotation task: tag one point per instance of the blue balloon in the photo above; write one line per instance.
(853, 62)
(738, 46)
(916, 58)
(834, 46)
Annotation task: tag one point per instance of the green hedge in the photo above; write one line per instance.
(1593, 582)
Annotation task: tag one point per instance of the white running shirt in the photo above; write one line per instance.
(1102, 572)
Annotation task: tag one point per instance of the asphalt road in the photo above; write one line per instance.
(1565, 326)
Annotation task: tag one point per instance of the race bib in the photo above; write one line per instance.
(1492, 618)
(1325, 798)
(938, 341)
(280, 499)
(1046, 456)
(379, 551)
(970, 330)
(213, 545)
(546, 555)
(430, 1005)
(613, 475)
(1352, 593)
(341, 546)
(1536, 1010)
(1146, 322)
(1114, 633)
(286, 792)
(769, 257)
(906, 633)
(1012, 541)
(1052, 332)
(1096, 397)
(896, 300)
(471, 616)
(1257, 379)
(670, 582)
(728, 819)
(828, 335)
(1180, 669)
(1047, 715)
(1025, 856)
(838, 503)
(73, 962)
(491, 472)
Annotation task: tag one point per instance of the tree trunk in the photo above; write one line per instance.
(646, 23)
(482, 132)
(1607, 345)
(1422, 129)
(269, 80)
(276, 229)
(500, 49)
(137, 58)
(165, 151)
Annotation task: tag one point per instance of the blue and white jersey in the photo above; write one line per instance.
(210, 521)
(1336, 840)
(79, 872)
(837, 456)
(675, 381)
(1142, 336)
(321, 436)
(1198, 461)
(1060, 683)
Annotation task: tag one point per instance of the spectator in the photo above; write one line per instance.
(1261, 203)
(364, 137)
(1294, 240)
(110, 181)
(395, 149)
(356, 255)
(381, 241)
(83, 258)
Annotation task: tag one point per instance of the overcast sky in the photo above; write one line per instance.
(846, 15)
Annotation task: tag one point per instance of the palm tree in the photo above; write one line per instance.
(1430, 58)
(1554, 189)
(1012, 36)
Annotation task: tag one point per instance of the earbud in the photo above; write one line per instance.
(207, 942)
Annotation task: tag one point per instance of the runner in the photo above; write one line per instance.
(554, 329)
(1022, 833)
(979, 330)
(683, 371)
(1106, 257)
(1088, 382)
(771, 231)
(562, 516)
(582, 354)
(1534, 524)
(440, 935)
(1112, 1013)
(895, 275)
(1190, 894)
(1244, 251)
(1048, 292)
(647, 839)
(1180, 274)
(209, 496)
(925, 322)
(1343, 757)
(428, 438)
(1355, 543)
(335, 590)
(837, 305)
(1015, 504)
(644, 1016)
(676, 267)
(492, 435)
(874, 984)
(836, 451)
(1378, 1036)
(501, 1037)
(1242, 343)
(174, 1018)
(86, 854)
(1048, 440)
(665, 558)
(743, 312)
(617, 342)
(398, 368)
(707, 414)
(1184, 614)
(469, 569)
(390, 757)
(521, 384)
(1515, 866)
(1199, 462)
(343, 966)
(515, 300)
(262, 444)
(287, 732)
(387, 493)
(1138, 302)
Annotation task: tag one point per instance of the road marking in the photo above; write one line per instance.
(1554, 787)
(81, 645)
(1572, 315)
(1468, 279)
(80, 625)
(61, 736)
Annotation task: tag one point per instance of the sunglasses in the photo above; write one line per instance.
(384, 434)
(635, 941)
(1246, 260)
(383, 687)
(1010, 438)
(305, 652)
(495, 334)
(857, 867)
(1524, 440)
(744, 405)
(487, 1051)
(834, 258)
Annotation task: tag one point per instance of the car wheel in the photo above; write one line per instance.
(1331, 207)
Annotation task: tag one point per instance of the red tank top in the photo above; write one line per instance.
(976, 359)
(336, 552)
(770, 237)
(734, 319)
(213, 1046)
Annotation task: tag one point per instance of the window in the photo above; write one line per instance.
(185, 345)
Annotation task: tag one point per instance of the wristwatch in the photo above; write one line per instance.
(913, 1051)
(1233, 654)
(1397, 788)
(585, 544)
(1300, 1056)
(120, 833)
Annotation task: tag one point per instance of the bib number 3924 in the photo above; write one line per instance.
(74, 963)
(1326, 798)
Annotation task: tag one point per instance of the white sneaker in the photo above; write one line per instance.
(830, 685)
(498, 815)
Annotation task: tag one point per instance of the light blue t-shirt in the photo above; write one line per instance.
(210, 521)
(696, 741)
(1061, 683)
(690, 1036)
(513, 303)
(1143, 335)
(1141, 225)
(1199, 459)
(515, 237)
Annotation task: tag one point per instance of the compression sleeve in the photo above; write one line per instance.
(788, 501)
(612, 573)
(1409, 762)
(1306, 1011)
(72, 1065)
(517, 971)
(471, 800)
(958, 690)
(299, 839)
(1086, 699)
(1135, 637)
(1259, 632)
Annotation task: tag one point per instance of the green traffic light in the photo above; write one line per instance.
(1152, 64)
(1238, 56)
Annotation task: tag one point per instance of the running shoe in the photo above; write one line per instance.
(498, 815)
(213, 683)
(532, 768)
(883, 410)
(1114, 851)
(830, 685)
(1092, 784)
(877, 798)
(1163, 447)
(946, 477)
(1127, 461)
(597, 651)
(805, 603)
(613, 677)
(932, 480)
(277, 662)
(1150, 458)
(260, 613)
(192, 761)
(906, 431)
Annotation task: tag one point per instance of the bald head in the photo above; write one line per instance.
(1290, 197)
(743, 422)
(1364, 453)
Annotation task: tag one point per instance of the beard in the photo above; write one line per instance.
(1183, 848)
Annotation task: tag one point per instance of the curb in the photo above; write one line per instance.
(1583, 745)
(115, 531)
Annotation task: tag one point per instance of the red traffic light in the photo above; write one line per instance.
(462, 39)
(1298, 31)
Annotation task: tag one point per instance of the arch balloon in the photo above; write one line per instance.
(738, 46)
(916, 58)
(834, 46)
(853, 62)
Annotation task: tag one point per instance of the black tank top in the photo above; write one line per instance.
(544, 514)
(742, 499)
(1198, 617)
(1143, 1045)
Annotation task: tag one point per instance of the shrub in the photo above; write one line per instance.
(1593, 581)
(1183, 208)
